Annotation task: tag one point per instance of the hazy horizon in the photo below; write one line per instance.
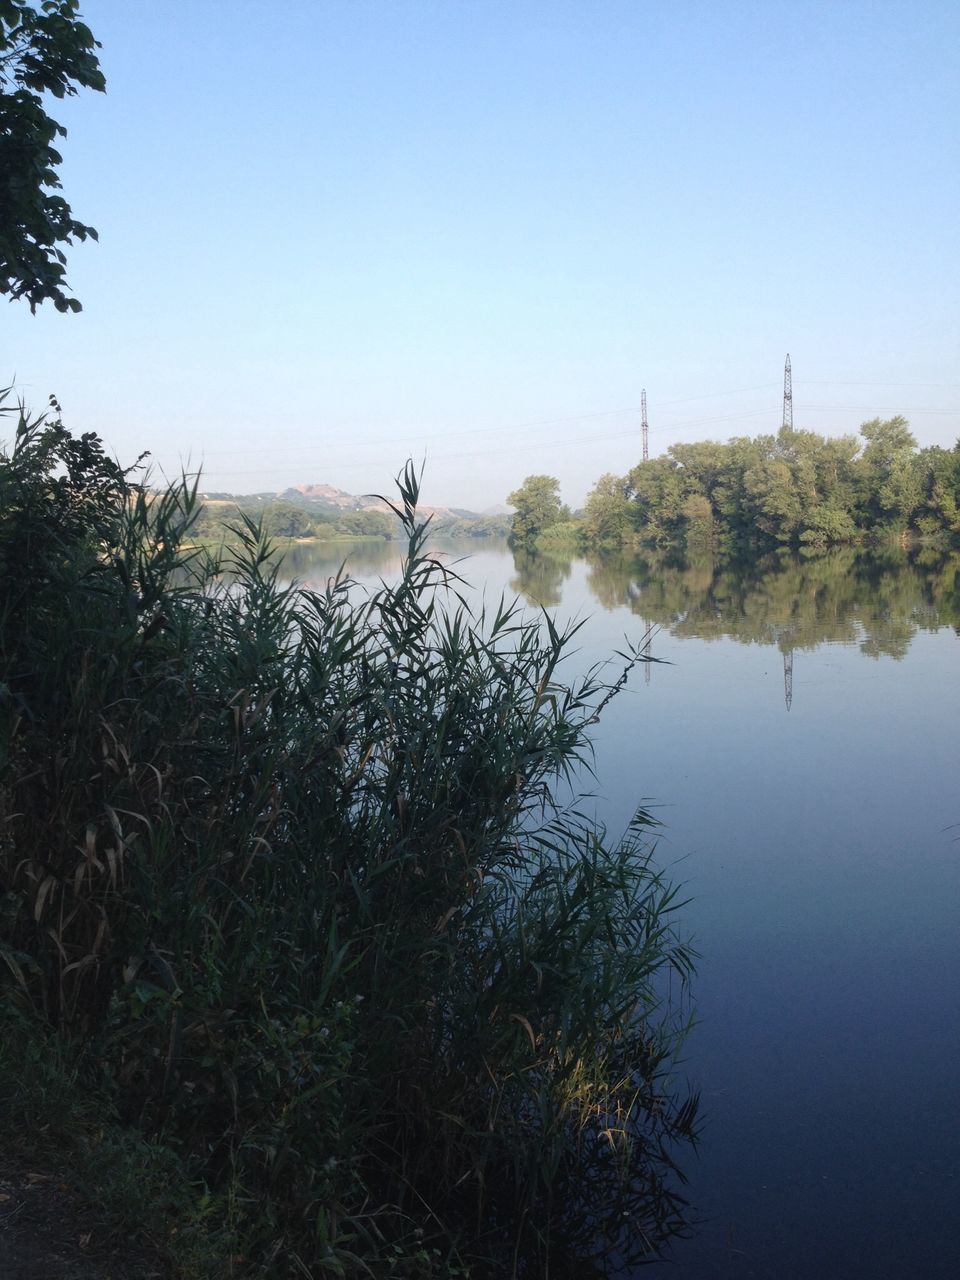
(343, 235)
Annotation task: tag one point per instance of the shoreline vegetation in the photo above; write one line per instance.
(298, 518)
(796, 489)
(305, 968)
(308, 540)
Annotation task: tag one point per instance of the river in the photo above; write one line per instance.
(800, 741)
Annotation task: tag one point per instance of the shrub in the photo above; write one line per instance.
(291, 869)
(827, 527)
(565, 536)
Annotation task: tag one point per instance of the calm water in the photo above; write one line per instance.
(803, 752)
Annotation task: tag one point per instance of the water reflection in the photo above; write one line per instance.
(876, 601)
(819, 851)
(539, 579)
(312, 563)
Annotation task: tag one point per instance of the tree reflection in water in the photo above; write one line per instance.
(877, 600)
(539, 578)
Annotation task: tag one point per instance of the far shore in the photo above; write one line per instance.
(292, 542)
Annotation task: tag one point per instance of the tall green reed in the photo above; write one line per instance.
(292, 869)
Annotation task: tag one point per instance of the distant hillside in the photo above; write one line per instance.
(326, 497)
(326, 508)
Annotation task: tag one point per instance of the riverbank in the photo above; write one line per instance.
(283, 544)
(307, 967)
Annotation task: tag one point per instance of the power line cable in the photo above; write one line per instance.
(520, 426)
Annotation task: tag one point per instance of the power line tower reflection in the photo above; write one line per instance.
(783, 634)
(788, 678)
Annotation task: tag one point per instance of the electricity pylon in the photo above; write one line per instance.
(787, 394)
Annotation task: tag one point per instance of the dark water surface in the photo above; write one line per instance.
(803, 753)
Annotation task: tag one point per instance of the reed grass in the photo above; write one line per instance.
(289, 872)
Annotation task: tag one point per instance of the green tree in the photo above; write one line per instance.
(657, 490)
(704, 464)
(537, 504)
(42, 50)
(826, 526)
(367, 524)
(938, 473)
(893, 486)
(607, 512)
(285, 520)
(698, 514)
(795, 488)
(887, 441)
(60, 499)
(836, 471)
(732, 500)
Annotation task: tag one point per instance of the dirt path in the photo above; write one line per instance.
(48, 1232)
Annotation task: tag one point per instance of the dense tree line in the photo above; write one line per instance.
(470, 526)
(796, 488)
(219, 520)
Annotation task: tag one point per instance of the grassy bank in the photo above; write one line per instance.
(291, 911)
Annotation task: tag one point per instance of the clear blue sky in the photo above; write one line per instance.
(335, 233)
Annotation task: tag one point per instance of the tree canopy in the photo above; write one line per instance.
(796, 488)
(43, 50)
(537, 503)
